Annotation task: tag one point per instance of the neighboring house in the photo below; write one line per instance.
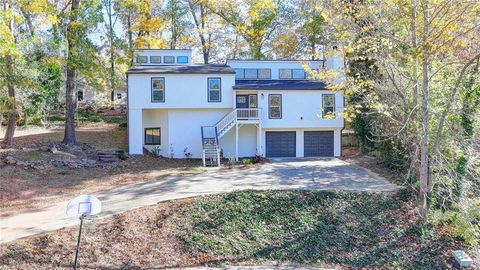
(88, 96)
(244, 108)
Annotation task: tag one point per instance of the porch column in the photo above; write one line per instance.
(236, 141)
(135, 132)
(259, 139)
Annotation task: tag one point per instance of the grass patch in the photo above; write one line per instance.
(314, 228)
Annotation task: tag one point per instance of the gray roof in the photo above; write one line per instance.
(182, 69)
(279, 85)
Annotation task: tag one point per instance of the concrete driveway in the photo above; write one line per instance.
(320, 174)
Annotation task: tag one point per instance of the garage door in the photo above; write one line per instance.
(280, 143)
(318, 143)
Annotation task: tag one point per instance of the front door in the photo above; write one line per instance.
(242, 101)
(247, 101)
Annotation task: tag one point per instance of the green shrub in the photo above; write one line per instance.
(156, 151)
(231, 161)
(246, 161)
(464, 219)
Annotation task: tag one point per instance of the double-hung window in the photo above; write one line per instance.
(152, 136)
(158, 89)
(274, 106)
(328, 106)
(214, 89)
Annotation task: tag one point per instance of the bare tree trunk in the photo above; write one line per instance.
(12, 110)
(200, 25)
(70, 102)
(111, 35)
(425, 183)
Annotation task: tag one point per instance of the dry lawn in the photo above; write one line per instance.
(27, 189)
(321, 229)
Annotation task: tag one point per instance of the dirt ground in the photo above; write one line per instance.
(24, 189)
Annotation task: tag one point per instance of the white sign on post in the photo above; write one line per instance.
(84, 205)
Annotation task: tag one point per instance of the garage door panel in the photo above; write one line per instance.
(318, 143)
(280, 143)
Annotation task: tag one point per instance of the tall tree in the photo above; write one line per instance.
(8, 51)
(176, 12)
(111, 20)
(256, 25)
(81, 57)
(70, 93)
(421, 51)
(202, 18)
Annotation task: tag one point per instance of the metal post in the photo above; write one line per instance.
(78, 242)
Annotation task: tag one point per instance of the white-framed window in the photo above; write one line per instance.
(252, 101)
(264, 73)
(158, 89)
(119, 95)
(251, 73)
(169, 60)
(239, 73)
(79, 95)
(241, 99)
(214, 89)
(182, 59)
(288, 73)
(285, 73)
(328, 106)
(155, 59)
(298, 74)
(274, 106)
(141, 59)
(152, 136)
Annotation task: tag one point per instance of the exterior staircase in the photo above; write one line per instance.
(212, 134)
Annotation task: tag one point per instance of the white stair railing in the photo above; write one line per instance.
(225, 123)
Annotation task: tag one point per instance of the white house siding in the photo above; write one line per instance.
(157, 119)
(185, 129)
(247, 142)
(300, 109)
(182, 91)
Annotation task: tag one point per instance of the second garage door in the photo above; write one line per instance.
(318, 143)
(280, 143)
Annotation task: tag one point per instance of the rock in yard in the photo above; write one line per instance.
(54, 150)
(10, 160)
(462, 258)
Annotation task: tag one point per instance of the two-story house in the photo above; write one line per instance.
(240, 109)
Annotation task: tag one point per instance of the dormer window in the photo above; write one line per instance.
(288, 73)
(141, 59)
(182, 59)
(155, 59)
(253, 73)
(169, 60)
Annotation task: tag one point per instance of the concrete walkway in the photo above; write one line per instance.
(330, 174)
